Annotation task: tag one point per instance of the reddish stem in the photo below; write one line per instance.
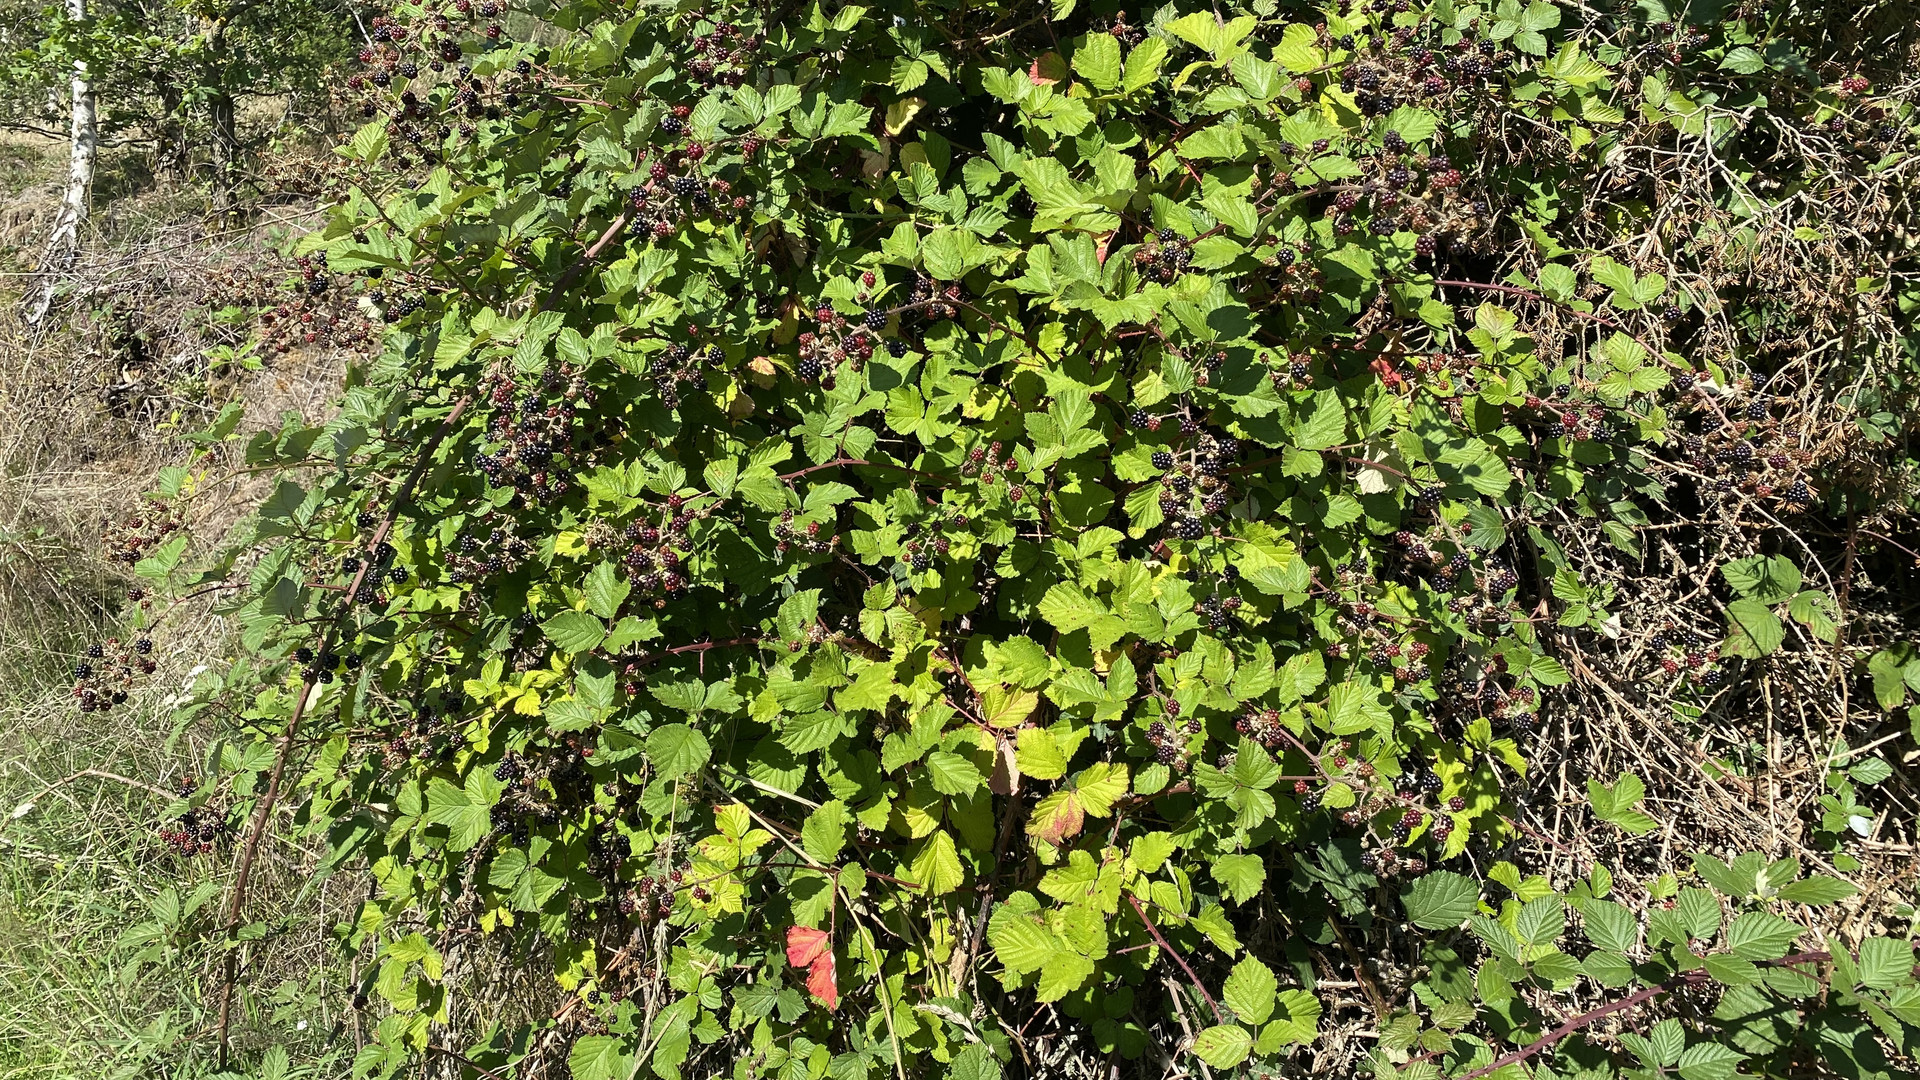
(1178, 959)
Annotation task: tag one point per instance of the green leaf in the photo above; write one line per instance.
(1441, 900)
(1241, 876)
(1766, 578)
(937, 866)
(1760, 935)
(1753, 630)
(1143, 64)
(952, 774)
(1708, 1061)
(1610, 926)
(1098, 60)
(1325, 427)
(605, 591)
(599, 1057)
(823, 833)
(1619, 804)
(575, 632)
(1249, 991)
(677, 750)
(1223, 1046)
(1885, 963)
(1039, 756)
(1021, 941)
(1816, 890)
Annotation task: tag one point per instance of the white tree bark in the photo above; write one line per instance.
(63, 244)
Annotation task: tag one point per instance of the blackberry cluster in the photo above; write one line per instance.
(1501, 580)
(789, 536)
(197, 830)
(928, 301)
(1164, 258)
(925, 544)
(656, 559)
(132, 539)
(107, 674)
(531, 433)
(724, 56)
(990, 462)
(475, 557)
(648, 900)
(1263, 726)
(1169, 738)
(318, 313)
(1218, 613)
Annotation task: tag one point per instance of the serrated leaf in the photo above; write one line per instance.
(1441, 900)
(677, 750)
(1098, 60)
(1223, 1046)
(1249, 991)
(575, 631)
(1240, 876)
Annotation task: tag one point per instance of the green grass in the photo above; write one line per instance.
(108, 940)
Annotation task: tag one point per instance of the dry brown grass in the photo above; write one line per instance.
(90, 411)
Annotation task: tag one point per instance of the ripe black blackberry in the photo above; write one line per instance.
(684, 186)
(897, 347)
(672, 125)
(83, 670)
(1757, 409)
(143, 646)
(1189, 425)
(1162, 460)
(1140, 418)
(96, 650)
(921, 561)
(1799, 492)
(808, 369)
(366, 519)
(1167, 236)
(875, 318)
(1189, 528)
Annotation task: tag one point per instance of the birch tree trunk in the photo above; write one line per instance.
(63, 244)
(220, 111)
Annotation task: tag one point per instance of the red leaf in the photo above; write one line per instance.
(820, 981)
(805, 945)
(813, 949)
(1048, 68)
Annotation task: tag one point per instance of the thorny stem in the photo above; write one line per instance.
(1178, 959)
(263, 810)
(1587, 1019)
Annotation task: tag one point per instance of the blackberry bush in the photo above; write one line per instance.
(1181, 593)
